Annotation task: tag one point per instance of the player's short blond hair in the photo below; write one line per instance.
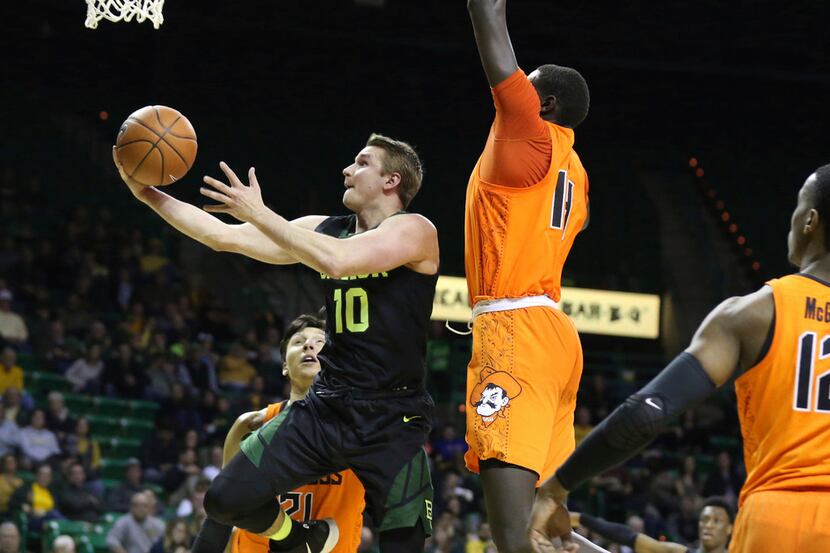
(400, 158)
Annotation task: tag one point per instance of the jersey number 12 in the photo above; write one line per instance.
(805, 372)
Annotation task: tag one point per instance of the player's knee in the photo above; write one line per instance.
(217, 506)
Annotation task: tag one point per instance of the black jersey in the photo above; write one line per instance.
(376, 324)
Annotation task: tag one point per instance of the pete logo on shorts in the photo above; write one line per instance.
(492, 395)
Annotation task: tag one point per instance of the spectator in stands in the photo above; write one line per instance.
(84, 449)
(683, 525)
(124, 374)
(257, 398)
(222, 421)
(688, 483)
(480, 541)
(9, 538)
(16, 410)
(124, 289)
(192, 508)
(160, 453)
(235, 371)
(85, 373)
(38, 444)
(449, 446)
(723, 480)
(9, 482)
(177, 535)
(175, 479)
(12, 326)
(57, 350)
(270, 370)
(9, 433)
(582, 424)
(119, 498)
(63, 544)
(76, 500)
(215, 466)
(98, 334)
(137, 531)
(201, 363)
(38, 499)
(58, 418)
(11, 374)
(180, 410)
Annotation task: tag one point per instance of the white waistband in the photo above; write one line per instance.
(506, 304)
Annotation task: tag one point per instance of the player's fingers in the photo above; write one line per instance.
(568, 544)
(232, 178)
(218, 185)
(214, 195)
(252, 179)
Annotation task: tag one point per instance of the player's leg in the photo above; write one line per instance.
(290, 450)
(524, 363)
(508, 494)
(404, 540)
(407, 519)
(390, 461)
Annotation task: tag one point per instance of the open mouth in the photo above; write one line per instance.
(308, 359)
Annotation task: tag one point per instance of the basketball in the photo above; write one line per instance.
(156, 146)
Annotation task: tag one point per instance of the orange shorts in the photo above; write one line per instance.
(783, 522)
(522, 382)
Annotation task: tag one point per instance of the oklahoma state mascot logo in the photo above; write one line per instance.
(492, 395)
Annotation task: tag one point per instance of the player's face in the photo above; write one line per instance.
(714, 527)
(301, 364)
(796, 239)
(364, 178)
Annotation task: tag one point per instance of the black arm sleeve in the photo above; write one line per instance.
(635, 423)
(617, 533)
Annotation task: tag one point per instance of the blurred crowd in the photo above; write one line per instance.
(88, 295)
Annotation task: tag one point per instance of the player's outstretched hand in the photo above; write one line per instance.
(550, 519)
(243, 202)
(138, 190)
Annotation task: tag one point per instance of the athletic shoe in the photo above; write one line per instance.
(316, 536)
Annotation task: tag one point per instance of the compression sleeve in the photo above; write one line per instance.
(636, 422)
(617, 533)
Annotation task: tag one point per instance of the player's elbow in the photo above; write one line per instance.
(335, 267)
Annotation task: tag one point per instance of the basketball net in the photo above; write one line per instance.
(123, 10)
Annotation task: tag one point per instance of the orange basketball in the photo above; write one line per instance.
(156, 146)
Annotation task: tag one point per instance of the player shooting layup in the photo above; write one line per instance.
(527, 199)
(368, 410)
(777, 341)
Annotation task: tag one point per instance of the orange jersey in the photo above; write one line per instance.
(339, 496)
(527, 199)
(784, 401)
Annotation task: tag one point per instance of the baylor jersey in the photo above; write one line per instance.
(376, 324)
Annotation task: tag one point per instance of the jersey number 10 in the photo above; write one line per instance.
(356, 302)
(805, 371)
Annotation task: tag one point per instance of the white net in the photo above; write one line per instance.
(124, 10)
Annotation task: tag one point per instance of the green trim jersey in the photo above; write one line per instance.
(376, 325)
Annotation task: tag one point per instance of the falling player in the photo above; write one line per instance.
(338, 496)
(527, 199)
(775, 341)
